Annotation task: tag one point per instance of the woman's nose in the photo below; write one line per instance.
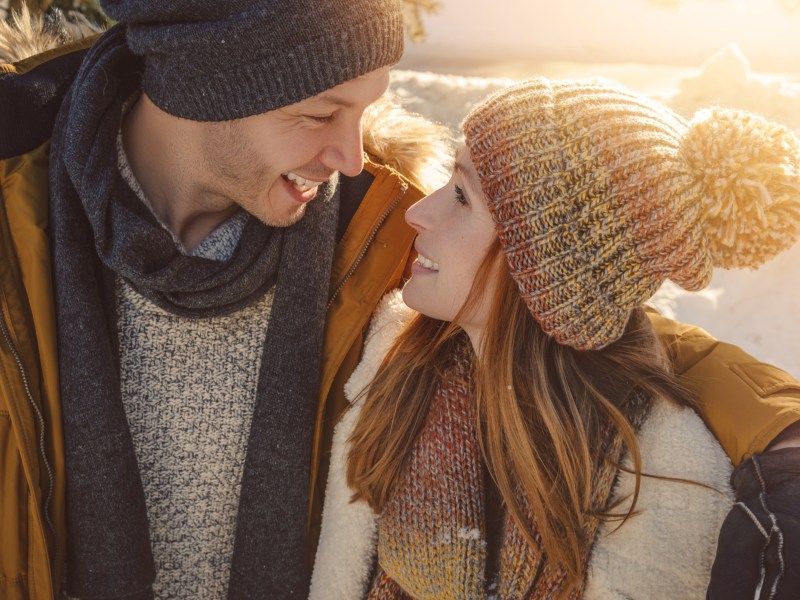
(420, 215)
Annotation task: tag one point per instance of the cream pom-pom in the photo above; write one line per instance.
(749, 169)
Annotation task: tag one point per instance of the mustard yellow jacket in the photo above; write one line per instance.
(745, 403)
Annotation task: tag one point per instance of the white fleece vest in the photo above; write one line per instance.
(664, 552)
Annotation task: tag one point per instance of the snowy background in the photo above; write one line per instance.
(739, 53)
(744, 54)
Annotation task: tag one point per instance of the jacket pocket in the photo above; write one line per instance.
(765, 379)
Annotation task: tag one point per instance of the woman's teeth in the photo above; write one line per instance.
(427, 263)
(299, 183)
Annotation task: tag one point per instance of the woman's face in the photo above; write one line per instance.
(454, 233)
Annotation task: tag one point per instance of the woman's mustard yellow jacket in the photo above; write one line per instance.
(744, 403)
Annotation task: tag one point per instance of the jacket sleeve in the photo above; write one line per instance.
(744, 402)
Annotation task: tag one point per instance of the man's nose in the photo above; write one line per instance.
(346, 152)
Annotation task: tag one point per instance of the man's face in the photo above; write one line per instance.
(272, 164)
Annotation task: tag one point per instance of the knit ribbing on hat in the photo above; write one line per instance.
(596, 200)
(216, 61)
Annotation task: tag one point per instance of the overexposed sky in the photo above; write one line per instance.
(613, 31)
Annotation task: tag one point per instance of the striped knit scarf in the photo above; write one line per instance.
(432, 535)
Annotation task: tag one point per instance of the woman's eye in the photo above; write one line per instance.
(460, 197)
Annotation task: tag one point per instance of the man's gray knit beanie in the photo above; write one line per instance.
(216, 60)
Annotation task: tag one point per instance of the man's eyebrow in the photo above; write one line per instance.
(333, 98)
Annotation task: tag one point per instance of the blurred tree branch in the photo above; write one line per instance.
(90, 9)
(412, 15)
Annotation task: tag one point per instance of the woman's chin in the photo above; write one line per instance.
(414, 298)
(408, 295)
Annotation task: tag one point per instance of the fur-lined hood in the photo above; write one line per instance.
(26, 34)
(419, 149)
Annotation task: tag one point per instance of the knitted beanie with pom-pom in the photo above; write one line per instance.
(599, 195)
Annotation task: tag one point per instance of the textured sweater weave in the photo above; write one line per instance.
(188, 387)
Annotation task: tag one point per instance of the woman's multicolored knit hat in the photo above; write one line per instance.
(599, 195)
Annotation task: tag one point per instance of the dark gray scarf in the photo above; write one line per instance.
(100, 229)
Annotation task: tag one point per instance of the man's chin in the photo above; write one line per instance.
(284, 220)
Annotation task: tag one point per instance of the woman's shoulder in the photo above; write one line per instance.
(666, 549)
(675, 442)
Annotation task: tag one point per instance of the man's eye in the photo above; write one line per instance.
(320, 118)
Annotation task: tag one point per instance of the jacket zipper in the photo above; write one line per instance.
(15, 354)
(370, 238)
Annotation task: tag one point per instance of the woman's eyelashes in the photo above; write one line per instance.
(459, 196)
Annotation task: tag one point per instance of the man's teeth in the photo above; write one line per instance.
(299, 183)
(427, 263)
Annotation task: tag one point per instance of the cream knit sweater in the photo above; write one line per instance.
(189, 387)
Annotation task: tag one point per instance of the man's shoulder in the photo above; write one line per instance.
(696, 352)
(687, 344)
(31, 92)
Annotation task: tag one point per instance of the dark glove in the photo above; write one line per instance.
(758, 556)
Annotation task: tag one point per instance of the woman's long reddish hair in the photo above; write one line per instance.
(541, 408)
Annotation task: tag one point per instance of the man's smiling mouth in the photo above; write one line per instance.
(301, 184)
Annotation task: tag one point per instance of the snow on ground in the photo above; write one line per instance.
(758, 310)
